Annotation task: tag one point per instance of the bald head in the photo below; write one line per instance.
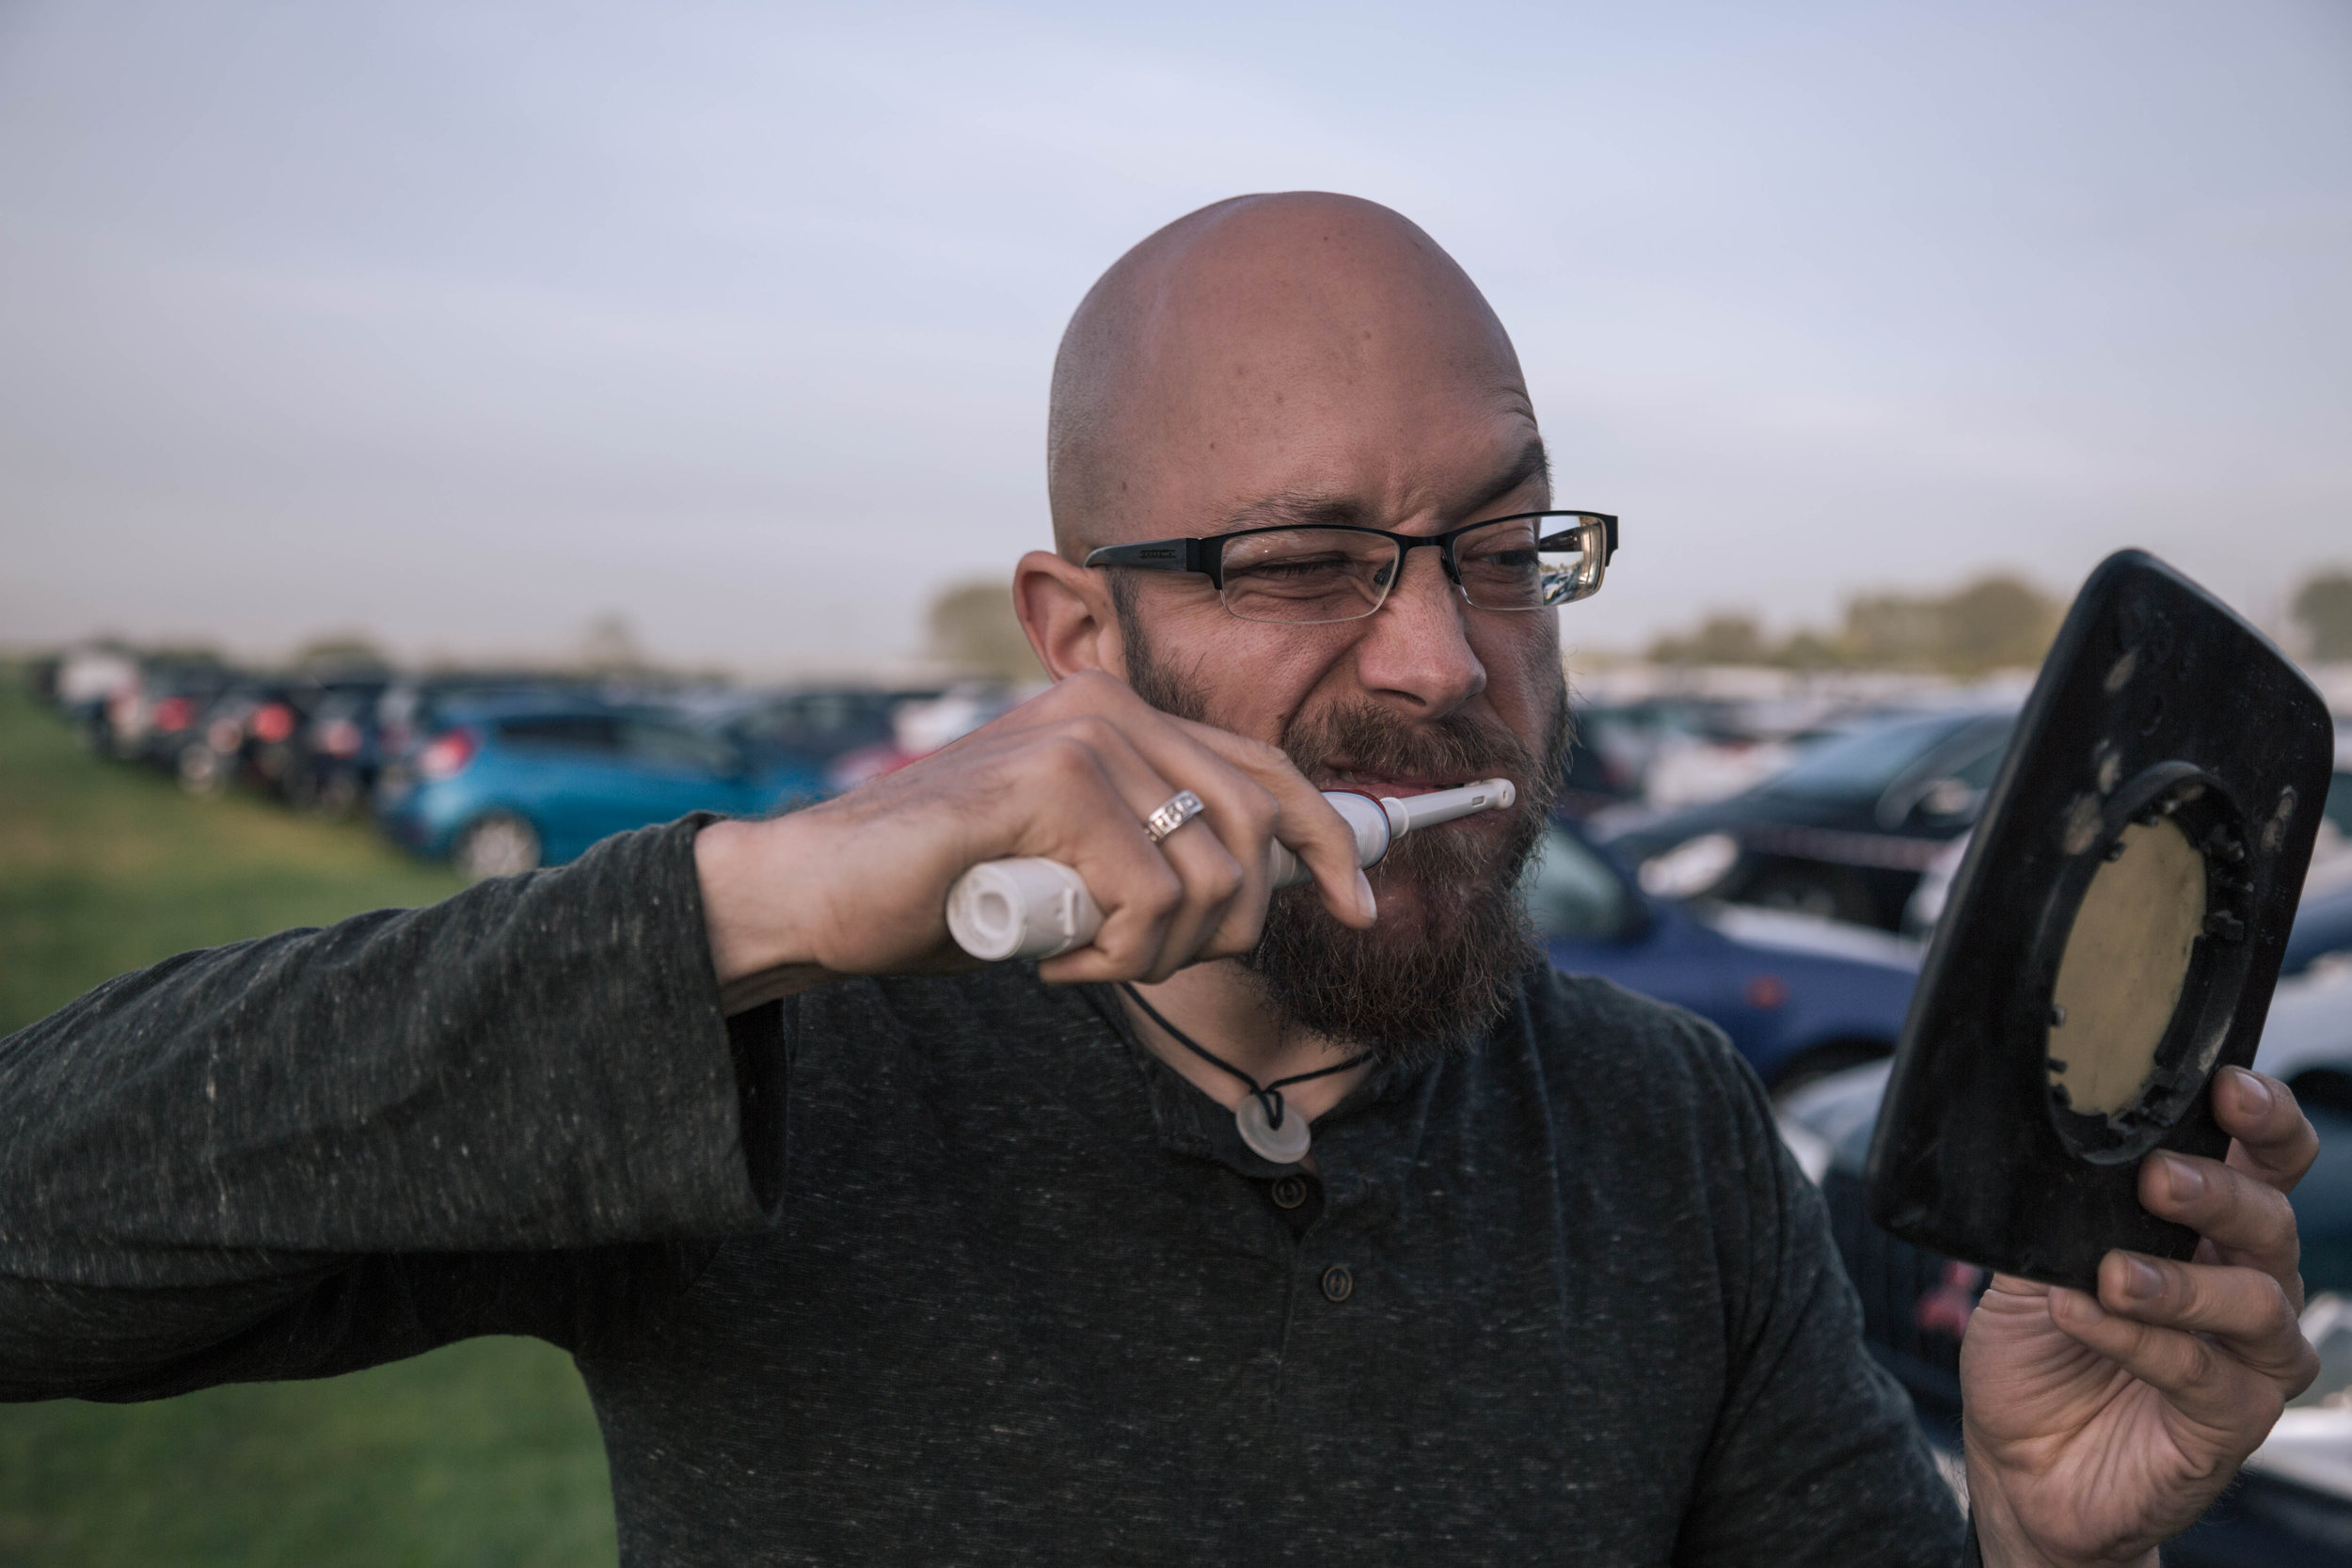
(1252, 348)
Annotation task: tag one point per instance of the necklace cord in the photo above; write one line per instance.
(1269, 1095)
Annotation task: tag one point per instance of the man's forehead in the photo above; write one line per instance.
(1303, 346)
(1290, 299)
(1454, 486)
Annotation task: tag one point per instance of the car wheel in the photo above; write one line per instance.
(497, 844)
(202, 771)
(339, 794)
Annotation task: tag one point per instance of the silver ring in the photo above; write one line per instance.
(1182, 807)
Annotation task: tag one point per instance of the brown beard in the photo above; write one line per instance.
(1427, 983)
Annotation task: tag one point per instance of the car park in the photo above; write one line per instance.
(498, 787)
(1845, 832)
(1798, 997)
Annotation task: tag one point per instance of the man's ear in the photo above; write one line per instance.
(1067, 613)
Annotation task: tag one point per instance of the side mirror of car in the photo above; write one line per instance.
(2113, 934)
(1949, 800)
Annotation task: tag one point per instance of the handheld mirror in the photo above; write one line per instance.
(2113, 934)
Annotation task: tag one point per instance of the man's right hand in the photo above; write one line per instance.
(859, 884)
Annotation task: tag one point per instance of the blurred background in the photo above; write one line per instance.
(433, 437)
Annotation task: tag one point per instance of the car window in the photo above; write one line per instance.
(1571, 892)
(823, 720)
(1978, 771)
(581, 733)
(1861, 766)
(2339, 808)
(673, 746)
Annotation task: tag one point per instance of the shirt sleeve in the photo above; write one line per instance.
(1816, 1456)
(327, 1147)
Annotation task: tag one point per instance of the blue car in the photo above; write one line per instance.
(503, 787)
(1800, 997)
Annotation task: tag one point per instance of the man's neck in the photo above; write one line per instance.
(1223, 1009)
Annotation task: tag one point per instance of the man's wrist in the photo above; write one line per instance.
(752, 900)
(1997, 1540)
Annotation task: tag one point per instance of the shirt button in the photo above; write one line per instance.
(1337, 1284)
(1289, 1191)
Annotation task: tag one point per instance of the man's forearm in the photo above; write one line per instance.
(537, 1063)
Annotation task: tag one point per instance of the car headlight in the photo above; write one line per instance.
(1690, 867)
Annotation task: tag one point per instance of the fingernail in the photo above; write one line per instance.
(2141, 1282)
(2252, 1089)
(1363, 895)
(2183, 1179)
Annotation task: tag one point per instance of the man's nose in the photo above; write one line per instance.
(1416, 648)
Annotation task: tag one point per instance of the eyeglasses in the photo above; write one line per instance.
(1340, 572)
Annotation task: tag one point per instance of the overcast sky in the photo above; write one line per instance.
(462, 324)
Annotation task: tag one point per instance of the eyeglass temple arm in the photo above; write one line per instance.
(1157, 555)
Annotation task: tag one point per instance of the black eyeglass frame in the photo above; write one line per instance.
(1206, 556)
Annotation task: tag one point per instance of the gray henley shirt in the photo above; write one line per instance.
(952, 1271)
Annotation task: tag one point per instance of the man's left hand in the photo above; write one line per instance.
(2098, 1426)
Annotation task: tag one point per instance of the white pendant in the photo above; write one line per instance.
(1285, 1145)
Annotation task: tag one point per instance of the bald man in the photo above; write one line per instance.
(1316, 1226)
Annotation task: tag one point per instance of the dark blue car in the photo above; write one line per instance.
(1800, 997)
(503, 787)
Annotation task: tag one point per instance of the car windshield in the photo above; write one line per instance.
(1861, 766)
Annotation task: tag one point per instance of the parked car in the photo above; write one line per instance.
(410, 711)
(1799, 996)
(79, 683)
(2291, 1506)
(918, 728)
(815, 725)
(338, 752)
(155, 717)
(503, 788)
(1844, 831)
(252, 732)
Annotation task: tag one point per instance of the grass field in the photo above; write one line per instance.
(483, 1454)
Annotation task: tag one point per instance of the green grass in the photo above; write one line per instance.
(483, 1453)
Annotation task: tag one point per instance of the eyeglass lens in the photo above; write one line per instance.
(1329, 574)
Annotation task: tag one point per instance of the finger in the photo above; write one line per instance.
(1224, 901)
(2275, 1141)
(1225, 854)
(1221, 856)
(1305, 821)
(2247, 1221)
(2244, 1309)
(2203, 1381)
(1094, 779)
(1218, 859)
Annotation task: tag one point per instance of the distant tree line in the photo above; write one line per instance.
(2323, 608)
(973, 626)
(1996, 623)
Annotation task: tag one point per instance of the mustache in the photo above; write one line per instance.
(1458, 745)
(1373, 741)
